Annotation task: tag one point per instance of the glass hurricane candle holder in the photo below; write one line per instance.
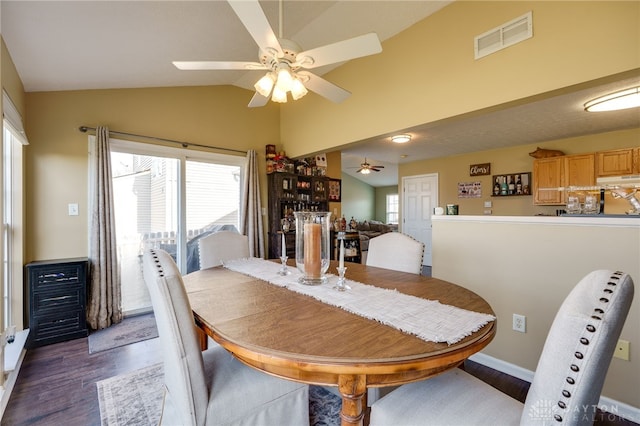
(312, 246)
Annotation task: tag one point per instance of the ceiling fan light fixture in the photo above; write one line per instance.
(365, 171)
(297, 89)
(401, 138)
(279, 95)
(623, 99)
(265, 84)
(285, 80)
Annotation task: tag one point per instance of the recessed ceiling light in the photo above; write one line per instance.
(401, 138)
(629, 98)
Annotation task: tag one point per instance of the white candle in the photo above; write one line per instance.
(284, 247)
(341, 265)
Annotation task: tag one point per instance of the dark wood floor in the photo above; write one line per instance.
(57, 383)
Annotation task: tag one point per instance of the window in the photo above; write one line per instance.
(392, 208)
(12, 231)
(168, 198)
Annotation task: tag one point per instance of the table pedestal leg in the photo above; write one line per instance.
(353, 389)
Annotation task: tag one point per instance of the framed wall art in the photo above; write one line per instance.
(335, 190)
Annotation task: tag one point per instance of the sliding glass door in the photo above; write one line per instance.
(168, 199)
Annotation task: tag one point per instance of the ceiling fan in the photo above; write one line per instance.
(285, 60)
(366, 168)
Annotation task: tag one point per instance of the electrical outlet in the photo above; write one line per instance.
(622, 350)
(520, 323)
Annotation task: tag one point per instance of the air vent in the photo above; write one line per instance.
(504, 36)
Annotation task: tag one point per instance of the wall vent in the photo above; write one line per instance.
(504, 36)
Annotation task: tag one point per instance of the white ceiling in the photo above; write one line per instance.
(73, 45)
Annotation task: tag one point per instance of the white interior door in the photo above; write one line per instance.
(420, 196)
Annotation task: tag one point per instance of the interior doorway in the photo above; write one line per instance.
(420, 197)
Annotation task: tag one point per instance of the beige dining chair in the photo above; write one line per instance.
(397, 251)
(566, 385)
(211, 387)
(220, 246)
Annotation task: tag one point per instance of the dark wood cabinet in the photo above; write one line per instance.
(352, 252)
(288, 193)
(56, 295)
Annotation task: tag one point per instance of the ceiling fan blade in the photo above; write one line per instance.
(258, 100)
(341, 51)
(255, 21)
(324, 88)
(217, 65)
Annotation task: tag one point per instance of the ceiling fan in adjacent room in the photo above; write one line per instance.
(285, 61)
(366, 168)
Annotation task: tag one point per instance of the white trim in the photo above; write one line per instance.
(607, 221)
(623, 410)
(15, 355)
(13, 118)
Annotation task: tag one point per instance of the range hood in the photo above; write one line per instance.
(629, 181)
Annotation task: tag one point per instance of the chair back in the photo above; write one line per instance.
(220, 246)
(186, 390)
(396, 251)
(576, 355)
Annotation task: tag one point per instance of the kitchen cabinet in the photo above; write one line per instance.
(547, 173)
(579, 170)
(562, 171)
(618, 162)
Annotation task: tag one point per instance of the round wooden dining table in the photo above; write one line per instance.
(294, 336)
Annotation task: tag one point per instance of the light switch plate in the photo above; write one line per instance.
(73, 209)
(488, 204)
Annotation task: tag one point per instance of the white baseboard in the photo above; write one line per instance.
(609, 405)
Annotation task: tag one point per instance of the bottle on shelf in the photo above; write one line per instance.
(518, 185)
(496, 187)
(503, 185)
(343, 224)
(511, 186)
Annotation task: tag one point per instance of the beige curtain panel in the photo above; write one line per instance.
(104, 305)
(251, 217)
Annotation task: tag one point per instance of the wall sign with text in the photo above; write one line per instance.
(480, 169)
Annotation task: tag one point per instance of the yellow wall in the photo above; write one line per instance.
(56, 159)
(427, 73)
(452, 170)
(11, 82)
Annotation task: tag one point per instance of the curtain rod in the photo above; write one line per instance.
(85, 129)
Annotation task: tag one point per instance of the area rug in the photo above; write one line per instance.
(130, 330)
(136, 399)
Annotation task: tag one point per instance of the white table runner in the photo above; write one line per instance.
(429, 320)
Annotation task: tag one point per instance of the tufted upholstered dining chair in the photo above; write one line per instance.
(211, 387)
(567, 382)
(220, 246)
(397, 251)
